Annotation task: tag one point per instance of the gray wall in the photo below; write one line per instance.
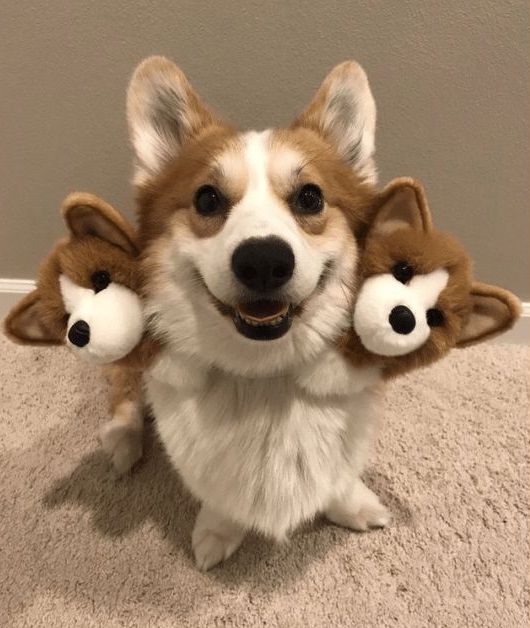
(450, 80)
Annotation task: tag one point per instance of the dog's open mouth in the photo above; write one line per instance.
(263, 319)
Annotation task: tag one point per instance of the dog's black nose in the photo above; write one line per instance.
(263, 264)
(402, 320)
(79, 334)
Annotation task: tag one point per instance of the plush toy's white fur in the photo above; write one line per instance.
(114, 316)
(380, 294)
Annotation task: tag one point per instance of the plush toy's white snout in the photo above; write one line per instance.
(390, 317)
(104, 326)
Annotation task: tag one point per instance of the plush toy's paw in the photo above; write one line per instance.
(123, 443)
(214, 539)
(360, 510)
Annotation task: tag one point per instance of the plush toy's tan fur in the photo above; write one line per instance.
(99, 238)
(402, 230)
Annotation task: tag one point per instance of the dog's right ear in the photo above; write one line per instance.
(86, 214)
(403, 203)
(163, 112)
(25, 325)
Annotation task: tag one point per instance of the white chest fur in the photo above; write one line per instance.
(267, 453)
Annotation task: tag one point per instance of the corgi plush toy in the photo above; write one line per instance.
(417, 298)
(87, 297)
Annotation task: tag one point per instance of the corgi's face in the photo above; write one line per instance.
(250, 244)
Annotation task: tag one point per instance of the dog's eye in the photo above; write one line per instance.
(308, 199)
(207, 200)
(403, 272)
(100, 280)
(435, 317)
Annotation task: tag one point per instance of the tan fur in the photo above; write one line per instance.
(473, 311)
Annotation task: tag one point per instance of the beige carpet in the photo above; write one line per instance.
(79, 548)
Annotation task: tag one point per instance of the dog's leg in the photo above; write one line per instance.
(121, 437)
(214, 538)
(358, 509)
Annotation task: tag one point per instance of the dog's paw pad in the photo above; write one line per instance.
(122, 443)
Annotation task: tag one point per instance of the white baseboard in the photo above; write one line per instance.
(11, 290)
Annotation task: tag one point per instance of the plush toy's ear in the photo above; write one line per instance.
(402, 203)
(86, 214)
(495, 310)
(24, 323)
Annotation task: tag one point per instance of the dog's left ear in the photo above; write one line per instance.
(89, 215)
(343, 112)
(494, 311)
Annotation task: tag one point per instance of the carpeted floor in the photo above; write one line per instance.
(80, 548)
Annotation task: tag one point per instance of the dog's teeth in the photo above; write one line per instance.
(255, 323)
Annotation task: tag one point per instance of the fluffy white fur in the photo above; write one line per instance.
(114, 316)
(265, 434)
(380, 294)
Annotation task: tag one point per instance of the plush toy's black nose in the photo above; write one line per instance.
(402, 320)
(79, 334)
(263, 264)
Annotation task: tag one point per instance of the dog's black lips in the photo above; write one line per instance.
(263, 332)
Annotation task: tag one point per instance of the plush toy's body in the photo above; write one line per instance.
(87, 297)
(417, 298)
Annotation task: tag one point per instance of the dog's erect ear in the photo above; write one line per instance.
(86, 214)
(494, 311)
(343, 112)
(402, 203)
(163, 111)
(24, 323)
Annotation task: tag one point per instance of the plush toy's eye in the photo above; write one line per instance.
(308, 199)
(100, 280)
(403, 272)
(208, 200)
(435, 317)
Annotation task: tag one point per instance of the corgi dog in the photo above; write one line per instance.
(417, 298)
(87, 297)
(249, 244)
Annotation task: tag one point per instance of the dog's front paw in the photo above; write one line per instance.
(360, 510)
(123, 443)
(214, 539)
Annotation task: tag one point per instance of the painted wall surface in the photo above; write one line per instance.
(450, 80)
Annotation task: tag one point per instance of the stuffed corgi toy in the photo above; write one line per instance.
(417, 298)
(87, 297)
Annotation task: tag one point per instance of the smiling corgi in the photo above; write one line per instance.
(87, 297)
(250, 241)
(417, 298)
